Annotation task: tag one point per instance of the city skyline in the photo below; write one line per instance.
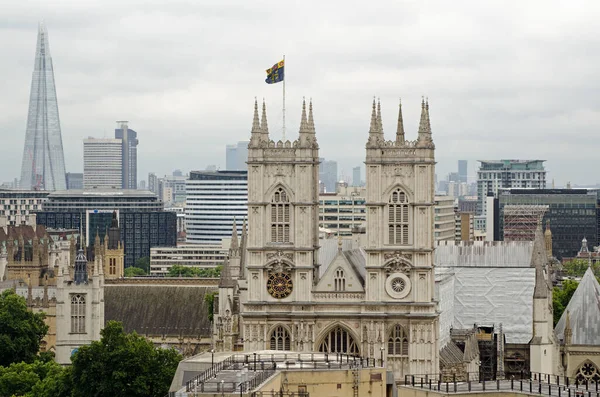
(487, 89)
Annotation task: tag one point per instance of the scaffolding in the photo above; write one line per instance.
(521, 221)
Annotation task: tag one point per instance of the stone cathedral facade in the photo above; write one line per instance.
(376, 301)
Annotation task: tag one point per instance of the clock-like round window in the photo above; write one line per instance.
(397, 285)
(279, 285)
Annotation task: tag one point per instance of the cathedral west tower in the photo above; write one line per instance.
(399, 249)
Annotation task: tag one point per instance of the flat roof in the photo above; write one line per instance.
(102, 192)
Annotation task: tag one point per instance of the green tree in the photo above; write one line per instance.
(133, 271)
(21, 330)
(122, 364)
(561, 297)
(144, 264)
(188, 271)
(35, 379)
(577, 267)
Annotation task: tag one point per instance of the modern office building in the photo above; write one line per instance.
(190, 255)
(356, 178)
(102, 163)
(153, 183)
(340, 212)
(328, 174)
(74, 180)
(43, 165)
(494, 175)
(129, 144)
(444, 223)
(17, 207)
(464, 226)
(462, 171)
(236, 156)
(144, 223)
(213, 200)
(572, 213)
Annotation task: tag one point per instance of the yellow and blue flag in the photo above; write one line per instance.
(275, 73)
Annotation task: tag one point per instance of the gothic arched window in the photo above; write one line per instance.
(339, 280)
(398, 223)
(339, 340)
(78, 314)
(588, 372)
(398, 341)
(280, 217)
(280, 339)
(112, 266)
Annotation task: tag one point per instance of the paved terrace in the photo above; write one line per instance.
(531, 384)
(242, 373)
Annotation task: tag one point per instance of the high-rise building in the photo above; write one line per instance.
(153, 183)
(356, 179)
(142, 185)
(43, 166)
(462, 171)
(141, 218)
(213, 200)
(443, 222)
(74, 180)
(102, 163)
(236, 156)
(18, 207)
(328, 174)
(129, 144)
(505, 174)
(572, 215)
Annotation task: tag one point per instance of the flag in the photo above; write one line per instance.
(275, 73)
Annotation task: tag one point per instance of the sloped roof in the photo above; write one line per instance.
(328, 250)
(358, 260)
(451, 355)
(584, 310)
(157, 309)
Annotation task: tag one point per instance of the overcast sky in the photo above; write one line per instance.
(505, 79)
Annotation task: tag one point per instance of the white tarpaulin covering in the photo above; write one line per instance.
(493, 284)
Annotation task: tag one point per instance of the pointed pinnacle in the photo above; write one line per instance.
(303, 122)
(263, 121)
(311, 121)
(400, 128)
(373, 127)
(379, 123)
(255, 122)
(234, 236)
(423, 122)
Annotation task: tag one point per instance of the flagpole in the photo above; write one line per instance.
(284, 99)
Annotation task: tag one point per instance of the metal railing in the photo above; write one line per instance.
(533, 383)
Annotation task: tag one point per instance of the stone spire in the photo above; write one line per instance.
(311, 121)
(425, 124)
(263, 122)
(234, 237)
(226, 281)
(373, 128)
(400, 128)
(540, 259)
(548, 239)
(304, 138)
(379, 122)
(256, 132)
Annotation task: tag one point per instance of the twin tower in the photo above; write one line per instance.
(382, 298)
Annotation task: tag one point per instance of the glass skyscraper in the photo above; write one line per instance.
(43, 166)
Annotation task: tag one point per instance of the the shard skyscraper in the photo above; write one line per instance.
(43, 165)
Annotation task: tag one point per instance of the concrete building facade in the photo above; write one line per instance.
(102, 163)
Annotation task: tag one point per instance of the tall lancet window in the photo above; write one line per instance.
(398, 225)
(339, 280)
(280, 339)
(280, 217)
(77, 314)
(398, 341)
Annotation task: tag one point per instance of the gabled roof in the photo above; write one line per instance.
(584, 311)
(352, 261)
